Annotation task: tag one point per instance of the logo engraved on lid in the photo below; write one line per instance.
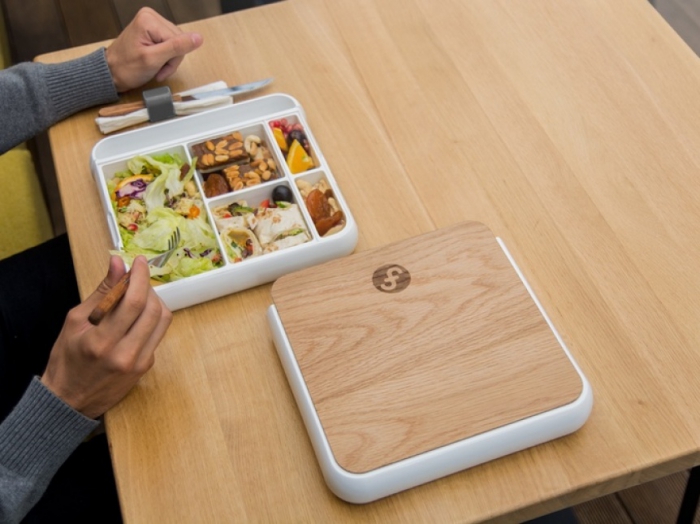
(391, 278)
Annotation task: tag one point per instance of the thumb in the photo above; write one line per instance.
(173, 51)
(116, 271)
(177, 46)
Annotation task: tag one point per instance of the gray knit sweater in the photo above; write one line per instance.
(35, 96)
(42, 431)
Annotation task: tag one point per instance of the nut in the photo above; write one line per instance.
(248, 144)
(210, 145)
(190, 188)
(304, 187)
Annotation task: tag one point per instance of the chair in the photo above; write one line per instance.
(23, 212)
(689, 505)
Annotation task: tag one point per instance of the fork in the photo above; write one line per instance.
(112, 298)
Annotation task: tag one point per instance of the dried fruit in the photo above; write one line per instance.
(321, 211)
(215, 185)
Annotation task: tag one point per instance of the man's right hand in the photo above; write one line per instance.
(149, 47)
(92, 368)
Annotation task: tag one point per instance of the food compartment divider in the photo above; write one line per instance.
(221, 168)
(105, 172)
(295, 129)
(312, 178)
(253, 198)
(296, 117)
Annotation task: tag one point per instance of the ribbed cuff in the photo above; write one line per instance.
(41, 433)
(81, 83)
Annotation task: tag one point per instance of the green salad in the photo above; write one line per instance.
(153, 197)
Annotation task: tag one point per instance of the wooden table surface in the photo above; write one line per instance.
(569, 128)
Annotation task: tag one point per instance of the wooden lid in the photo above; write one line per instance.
(452, 346)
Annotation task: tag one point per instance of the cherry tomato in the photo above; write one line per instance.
(193, 212)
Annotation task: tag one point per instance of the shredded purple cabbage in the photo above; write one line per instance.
(133, 189)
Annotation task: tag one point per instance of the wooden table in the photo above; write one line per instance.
(569, 128)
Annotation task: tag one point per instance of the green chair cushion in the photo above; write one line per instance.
(23, 213)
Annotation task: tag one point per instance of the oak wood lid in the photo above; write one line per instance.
(420, 344)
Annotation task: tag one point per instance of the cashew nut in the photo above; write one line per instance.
(249, 142)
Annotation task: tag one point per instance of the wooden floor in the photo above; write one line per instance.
(40, 26)
(684, 17)
(651, 503)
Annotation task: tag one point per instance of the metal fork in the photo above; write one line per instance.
(112, 298)
(173, 243)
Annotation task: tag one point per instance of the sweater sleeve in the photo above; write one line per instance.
(35, 96)
(35, 439)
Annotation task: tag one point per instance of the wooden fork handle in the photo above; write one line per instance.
(110, 300)
(126, 108)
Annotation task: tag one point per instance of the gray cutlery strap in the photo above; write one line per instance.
(159, 103)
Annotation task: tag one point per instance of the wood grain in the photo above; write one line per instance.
(569, 129)
(462, 350)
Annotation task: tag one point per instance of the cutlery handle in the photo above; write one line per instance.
(110, 300)
(127, 107)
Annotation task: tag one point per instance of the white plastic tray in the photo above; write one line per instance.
(361, 488)
(111, 155)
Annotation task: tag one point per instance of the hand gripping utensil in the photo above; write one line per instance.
(112, 298)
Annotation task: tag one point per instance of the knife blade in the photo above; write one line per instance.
(130, 107)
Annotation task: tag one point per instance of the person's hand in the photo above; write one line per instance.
(92, 368)
(150, 46)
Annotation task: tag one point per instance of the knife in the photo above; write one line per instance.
(130, 107)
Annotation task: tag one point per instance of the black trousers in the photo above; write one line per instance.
(37, 288)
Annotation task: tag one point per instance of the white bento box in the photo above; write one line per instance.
(266, 255)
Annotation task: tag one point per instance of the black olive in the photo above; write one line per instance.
(282, 194)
